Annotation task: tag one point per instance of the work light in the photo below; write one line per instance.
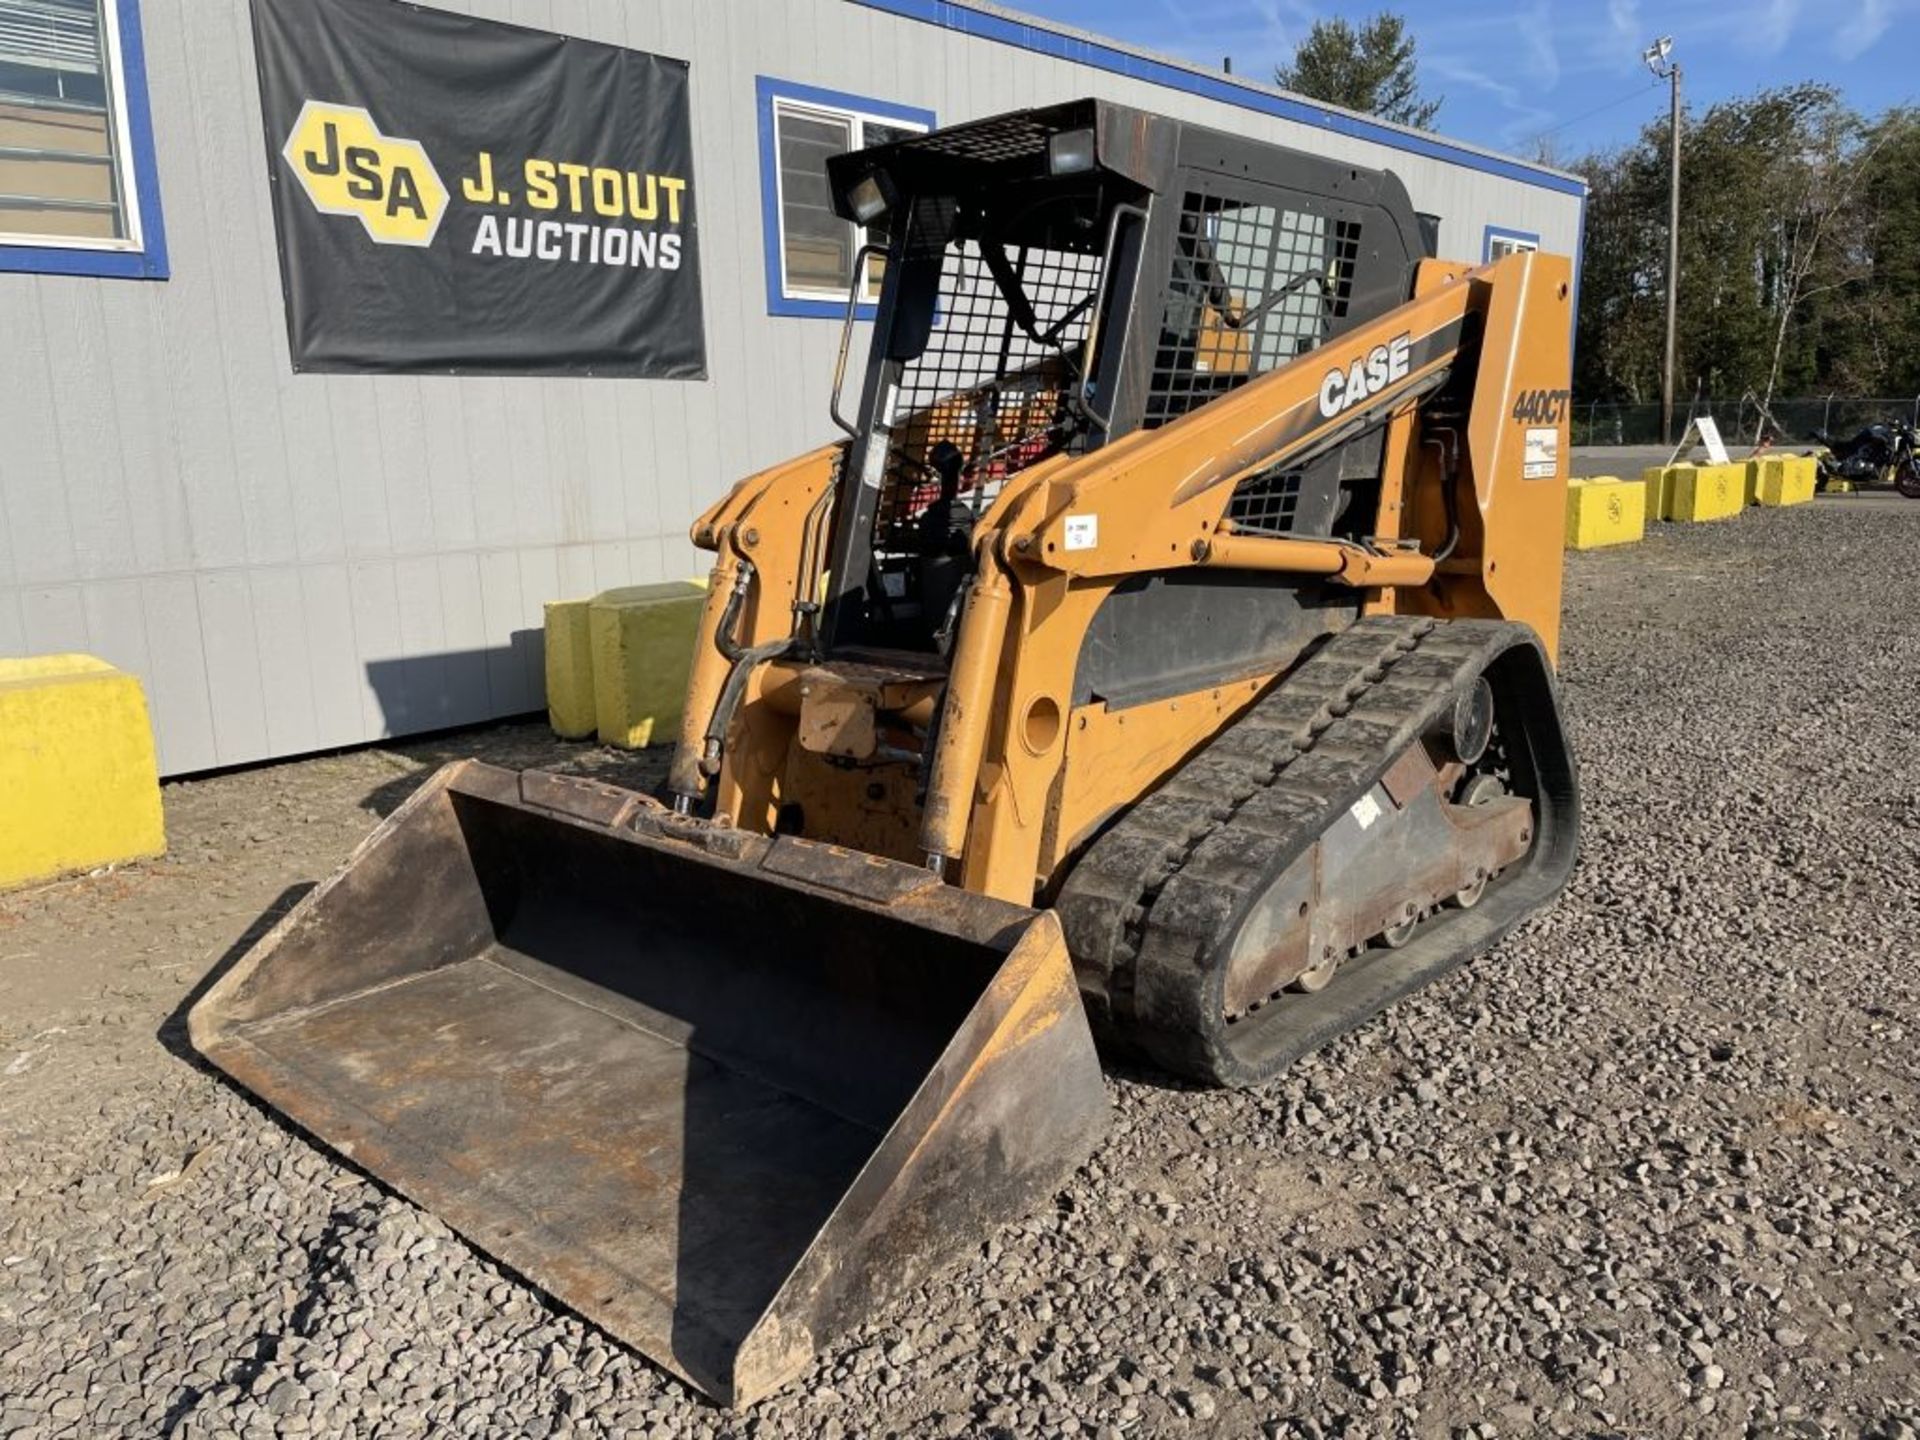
(867, 199)
(1070, 152)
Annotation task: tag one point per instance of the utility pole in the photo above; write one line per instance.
(1656, 57)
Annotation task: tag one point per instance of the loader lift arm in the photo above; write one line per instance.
(1159, 500)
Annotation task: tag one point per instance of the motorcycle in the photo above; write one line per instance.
(1870, 455)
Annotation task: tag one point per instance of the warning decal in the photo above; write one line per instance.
(1542, 461)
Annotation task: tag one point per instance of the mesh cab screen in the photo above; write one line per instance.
(1001, 138)
(983, 384)
(1253, 284)
(1267, 503)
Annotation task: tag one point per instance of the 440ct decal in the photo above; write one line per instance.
(1540, 407)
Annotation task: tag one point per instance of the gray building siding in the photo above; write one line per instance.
(292, 563)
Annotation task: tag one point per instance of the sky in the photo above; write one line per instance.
(1512, 71)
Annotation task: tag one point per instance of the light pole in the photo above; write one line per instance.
(1656, 57)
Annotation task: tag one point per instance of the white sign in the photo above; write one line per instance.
(1083, 532)
(1709, 429)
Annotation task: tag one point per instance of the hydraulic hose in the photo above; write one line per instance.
(730, 617)
(705, 677)
(1449, 452)
(745, 662)
(746, 659)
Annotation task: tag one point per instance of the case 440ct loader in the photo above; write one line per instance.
(1162, 657)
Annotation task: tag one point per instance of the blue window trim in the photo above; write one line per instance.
(1088, 50)
(1501, 232)
(150, 261)
(767, 89)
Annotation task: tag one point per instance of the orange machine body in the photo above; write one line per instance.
(1020, 777)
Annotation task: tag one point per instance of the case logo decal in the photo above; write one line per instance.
(1384, 365)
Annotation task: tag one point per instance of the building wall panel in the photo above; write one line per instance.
(56, 618)
(116, 625)
(32, 471)
(331, 654)
(13, 629)
(180, 702)
(286, 670)
(83, 426)
(234, 645)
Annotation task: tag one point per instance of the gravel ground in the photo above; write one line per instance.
(1651, 1168)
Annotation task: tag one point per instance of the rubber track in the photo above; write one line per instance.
(1161, 891)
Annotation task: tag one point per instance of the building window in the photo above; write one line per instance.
(77, 193)
(811, 250)
(1501, 243)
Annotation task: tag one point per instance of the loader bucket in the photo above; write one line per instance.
(723, 1095)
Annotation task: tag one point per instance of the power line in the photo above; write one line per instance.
(1600, 109)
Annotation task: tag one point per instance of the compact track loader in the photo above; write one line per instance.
(1163, 656)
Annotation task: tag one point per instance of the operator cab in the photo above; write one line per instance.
(1057, 278)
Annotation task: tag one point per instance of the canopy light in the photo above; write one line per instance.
(1070, 152)
(867, 199)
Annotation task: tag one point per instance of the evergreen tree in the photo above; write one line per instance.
(1370, 69)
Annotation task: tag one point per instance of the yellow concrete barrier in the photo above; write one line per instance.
(570, 702)
(1790, 482)
(78, 784)
(1758, 468)
(1605, 511)
(642, 640)
(1659, 481)
(1707, 492)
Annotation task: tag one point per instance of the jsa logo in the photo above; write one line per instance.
(347, 167)
(1382, 366)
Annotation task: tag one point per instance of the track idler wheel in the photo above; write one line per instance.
(1316, 978)
(1395, 936)
(1469, 724)
(1478, 790)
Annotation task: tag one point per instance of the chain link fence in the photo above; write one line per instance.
(1795, 420)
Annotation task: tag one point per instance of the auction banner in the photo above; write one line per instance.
(457, 196)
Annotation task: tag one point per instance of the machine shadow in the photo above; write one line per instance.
(514, 746)
(439, 691)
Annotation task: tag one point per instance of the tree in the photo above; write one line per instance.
(1799, 255)
(1622, 276)
(1369, 69)
(1822, 178)
(1879, 319)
